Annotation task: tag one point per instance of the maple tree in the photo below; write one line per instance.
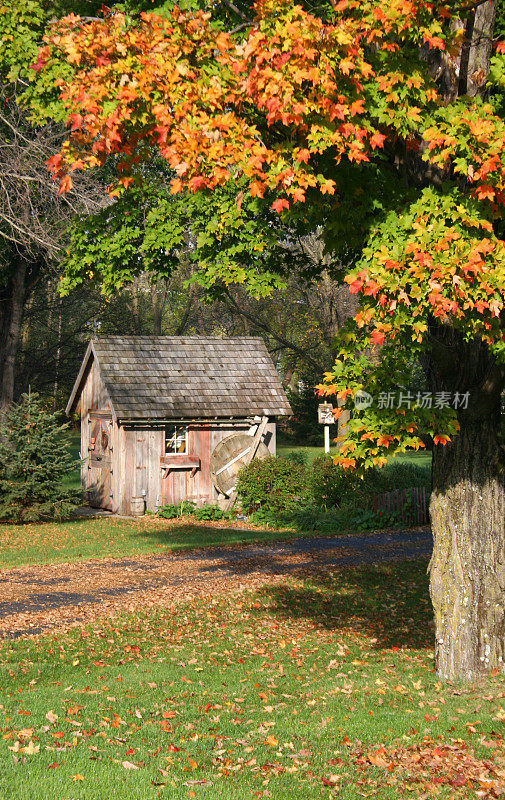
(381, 122)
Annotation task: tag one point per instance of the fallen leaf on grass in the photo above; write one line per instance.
(197, 783)
(129, 765)
(29, 749)
(433, 764)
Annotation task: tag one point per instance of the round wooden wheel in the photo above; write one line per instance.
(229, 456)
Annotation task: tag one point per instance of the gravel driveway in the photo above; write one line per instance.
(43, 598)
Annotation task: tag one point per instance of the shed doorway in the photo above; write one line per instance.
(99, 464)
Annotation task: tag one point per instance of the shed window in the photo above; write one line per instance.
(176, 440)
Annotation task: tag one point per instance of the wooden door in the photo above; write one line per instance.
(99, 462)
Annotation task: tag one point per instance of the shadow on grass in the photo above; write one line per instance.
(388, 602)
(189, 535)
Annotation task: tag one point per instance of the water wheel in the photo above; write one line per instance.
(229, 456)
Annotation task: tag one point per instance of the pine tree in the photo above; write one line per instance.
(34, 461)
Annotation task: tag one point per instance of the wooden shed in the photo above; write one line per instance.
(158, 413)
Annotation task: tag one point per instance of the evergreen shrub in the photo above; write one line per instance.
(34, 461)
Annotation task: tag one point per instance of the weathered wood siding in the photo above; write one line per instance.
(138, 467)
(93, 398)
(136, 455)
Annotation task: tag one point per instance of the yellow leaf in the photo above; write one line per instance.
(31, 749)
(77, 777)
(272, 741)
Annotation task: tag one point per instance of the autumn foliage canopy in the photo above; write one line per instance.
(293, 105)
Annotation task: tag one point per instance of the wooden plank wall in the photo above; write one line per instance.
(135, 457)
(117, 440)
(93, 398)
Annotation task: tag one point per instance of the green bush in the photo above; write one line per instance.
(172, 511)
(331, 487)
(399, 475)
(34, 462)
(273, 485)
(328, 482)
(297, 457)
(212, 513)
(185, 509)
(364, 519)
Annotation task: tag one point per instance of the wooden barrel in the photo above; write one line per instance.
(229, 456)
(138, 506)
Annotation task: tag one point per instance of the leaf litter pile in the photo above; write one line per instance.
(322, 686)
(427, 767)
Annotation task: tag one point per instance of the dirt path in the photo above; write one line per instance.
(43, 598)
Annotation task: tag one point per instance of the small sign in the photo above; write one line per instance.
(325, 414)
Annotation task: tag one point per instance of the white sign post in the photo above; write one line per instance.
(325, 417)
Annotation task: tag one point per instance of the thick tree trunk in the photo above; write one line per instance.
(477, 49)
(467, 512)
(468, 565)
(11, 333)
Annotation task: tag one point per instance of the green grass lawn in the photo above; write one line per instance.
(310, 453)
(421, 458)
(82, 539)
(318, 688)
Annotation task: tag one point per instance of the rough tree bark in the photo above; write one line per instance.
(477, 49)
(467, 512)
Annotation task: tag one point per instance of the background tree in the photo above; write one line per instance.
(34, 221)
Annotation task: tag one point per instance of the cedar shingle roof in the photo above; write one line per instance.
(181, 377)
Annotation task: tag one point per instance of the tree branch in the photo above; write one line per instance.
(265, 327)
(237, 11)
(240, 27)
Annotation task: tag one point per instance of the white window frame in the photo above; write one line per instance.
(174, 436)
